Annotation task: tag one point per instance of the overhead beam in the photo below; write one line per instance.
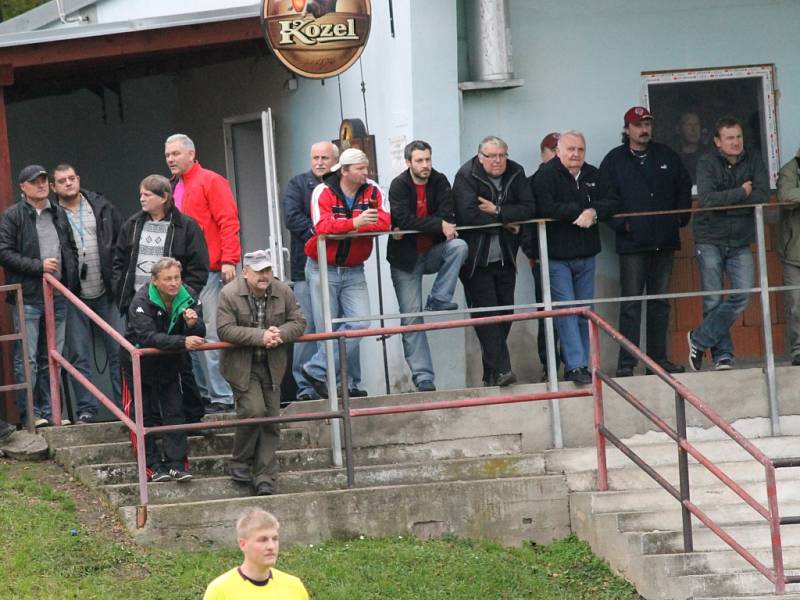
(131, 44)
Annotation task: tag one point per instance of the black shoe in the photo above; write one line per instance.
(505, 378)
(723, 364)
(625, 372)
(213, 408)
(180, 475)
(264, 489)
(86, 418)
(695, 354)
(160, 475)
(319, 386)
(796, 361)
(305, 398)
(579, 376)
(490, 380)
(669, 367)
(426, 386)
(357, 393)
(241, 474)
(434, 305)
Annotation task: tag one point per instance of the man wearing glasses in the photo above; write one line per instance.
(490, 189)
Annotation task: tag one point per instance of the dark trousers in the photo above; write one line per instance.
(161, 405)
(640, 272)
(541, 338)
(492, 285)
(193, 407)
(256, 446)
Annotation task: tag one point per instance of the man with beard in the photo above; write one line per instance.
(644, 176)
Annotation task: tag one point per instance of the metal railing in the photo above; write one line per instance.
(602, 433)
(763, 290)
(21, 337)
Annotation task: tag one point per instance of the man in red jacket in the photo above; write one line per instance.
(346, 202)
(206, 197)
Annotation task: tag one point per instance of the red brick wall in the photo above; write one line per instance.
(687, 313)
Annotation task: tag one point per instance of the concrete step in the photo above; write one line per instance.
(728, 585)
(510, 510)
(214, 488)
(631, 477)
(203, 466)
(643, 500)
(121, 451)
(573, 460)
(749, 535)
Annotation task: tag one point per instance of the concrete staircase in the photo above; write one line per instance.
(490, 472)
(441, 479)
(636, 526)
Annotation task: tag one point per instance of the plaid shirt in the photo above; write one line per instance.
(260, 304)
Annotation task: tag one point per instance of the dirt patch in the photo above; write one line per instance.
(96, 516)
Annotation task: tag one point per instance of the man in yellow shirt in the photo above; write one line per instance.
(257, 578)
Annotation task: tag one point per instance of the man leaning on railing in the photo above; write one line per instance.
(731, 175)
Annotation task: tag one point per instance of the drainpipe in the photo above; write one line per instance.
(489, 45)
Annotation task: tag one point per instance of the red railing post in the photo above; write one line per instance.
(52, 365)
(597, 395)
(141, 510)
(775, 529)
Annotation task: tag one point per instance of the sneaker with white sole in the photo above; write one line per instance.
(41, 422)
(160, 475)
(723, 364)
(180, 475)
(695, 354)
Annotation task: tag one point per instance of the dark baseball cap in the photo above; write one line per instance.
(550, 141)
(30, 173)
(637, 114)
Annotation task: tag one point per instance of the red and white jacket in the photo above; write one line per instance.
(331, 215)
(208, 199)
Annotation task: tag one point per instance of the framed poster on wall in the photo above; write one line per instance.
(686, 104)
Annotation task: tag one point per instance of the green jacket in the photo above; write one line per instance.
(235, 324)
(789, 224)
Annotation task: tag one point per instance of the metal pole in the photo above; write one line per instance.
(141, 464)
(348, 433)
(599, 417)
(766, 321)
(683, 472)
(52, 365)
(26, 365)
(552, 367)
(775, 529)
(382, 321)
(324, 291)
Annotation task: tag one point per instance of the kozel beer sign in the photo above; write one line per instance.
(317, 38)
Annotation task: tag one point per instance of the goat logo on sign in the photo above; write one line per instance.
(317, 38)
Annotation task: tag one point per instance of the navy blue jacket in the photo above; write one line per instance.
(667, 186)
(297, 217)
(559, 196)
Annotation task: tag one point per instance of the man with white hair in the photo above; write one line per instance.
(346, 202)
(566, 192)
(206, 197)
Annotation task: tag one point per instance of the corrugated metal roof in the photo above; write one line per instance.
(84, 31)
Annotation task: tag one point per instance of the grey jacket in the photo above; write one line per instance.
(789, 224)
(236, 324)
(719, 183)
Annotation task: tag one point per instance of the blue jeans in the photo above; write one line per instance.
(718, 314)
(444, 259)
(573, 280)
(80, 342)
(347, 289)
(206, 364)
(40, 374)
(304, 351)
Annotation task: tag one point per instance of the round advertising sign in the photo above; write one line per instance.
(317, 38)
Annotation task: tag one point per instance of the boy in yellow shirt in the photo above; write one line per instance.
(257, 578)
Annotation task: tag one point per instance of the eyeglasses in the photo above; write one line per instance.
(501, 156)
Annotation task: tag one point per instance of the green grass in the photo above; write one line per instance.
(42, 559)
